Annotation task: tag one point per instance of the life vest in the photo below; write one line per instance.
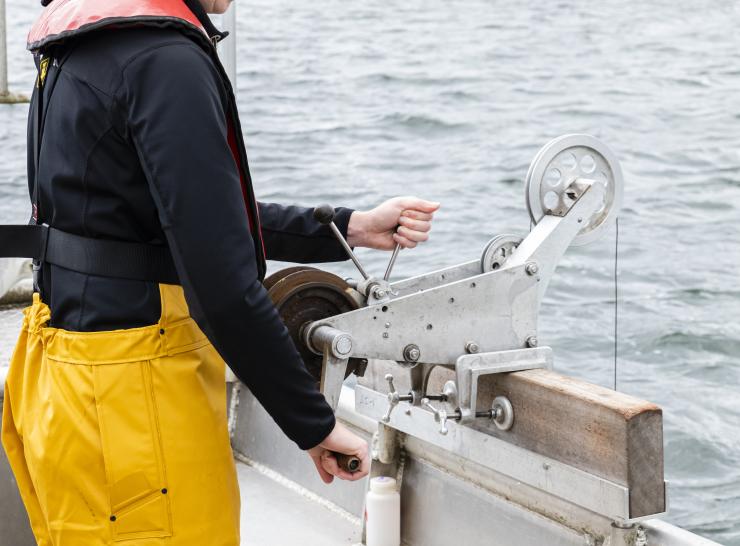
(65, 19)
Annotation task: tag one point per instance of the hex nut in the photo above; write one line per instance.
(411, 353)
(532, 268)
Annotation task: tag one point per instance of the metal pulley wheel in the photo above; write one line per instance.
(561, 162)
(497, 251)
(303, 295)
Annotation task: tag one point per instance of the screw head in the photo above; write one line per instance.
(532, 268)
(532, 341)
(385, 335)
(472, 347)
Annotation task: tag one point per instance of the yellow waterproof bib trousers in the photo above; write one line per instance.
(121, 436)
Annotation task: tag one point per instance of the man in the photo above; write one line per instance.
(114, 415)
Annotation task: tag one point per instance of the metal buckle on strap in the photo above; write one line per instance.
(39, 262)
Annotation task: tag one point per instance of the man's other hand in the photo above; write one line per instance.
(340, 440)
(376, 228)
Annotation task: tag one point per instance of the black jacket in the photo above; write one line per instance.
(135, 148)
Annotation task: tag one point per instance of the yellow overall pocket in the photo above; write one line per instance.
(132, 451)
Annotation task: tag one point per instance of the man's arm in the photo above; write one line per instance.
(292, 235)
(174, 102)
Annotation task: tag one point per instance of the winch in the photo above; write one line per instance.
(459, 393)
(478, 317)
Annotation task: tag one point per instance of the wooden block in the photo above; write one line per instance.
(603, 432)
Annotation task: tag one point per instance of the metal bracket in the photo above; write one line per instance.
(469, 368)
(336, 348)
(333, 371)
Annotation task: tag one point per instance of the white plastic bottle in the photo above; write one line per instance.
(383, 512)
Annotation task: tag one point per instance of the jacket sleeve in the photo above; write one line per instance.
(292, 235)
(175, 104)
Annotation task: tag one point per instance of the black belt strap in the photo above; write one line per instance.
(101, 257)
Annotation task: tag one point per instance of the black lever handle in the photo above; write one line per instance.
(324, 214)
(348, 463)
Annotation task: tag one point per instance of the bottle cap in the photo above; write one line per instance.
(382, 484)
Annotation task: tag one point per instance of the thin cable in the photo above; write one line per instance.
(616, 295)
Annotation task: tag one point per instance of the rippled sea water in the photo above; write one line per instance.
(351, 103)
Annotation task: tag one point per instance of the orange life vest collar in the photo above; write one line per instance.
(65, 18)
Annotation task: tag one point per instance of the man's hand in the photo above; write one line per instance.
(376, 228)
(340, 440)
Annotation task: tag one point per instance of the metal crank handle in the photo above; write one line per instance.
(324, 214)
(348, 463)
(392, 262)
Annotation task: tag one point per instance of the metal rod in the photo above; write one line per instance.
(3, 52)
(348, 249)
(228, 46)
(227, 54)
(392, 262)
(323, 337)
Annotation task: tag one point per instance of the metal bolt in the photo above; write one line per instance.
(411, 353)
(385, 335)
(532, 341)
(546, 466)
(472, 347)
(387, 324)
(379, 293)
(343, 345)
(532, 268)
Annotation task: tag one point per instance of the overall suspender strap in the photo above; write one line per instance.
(37, 99)
(39, 115)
